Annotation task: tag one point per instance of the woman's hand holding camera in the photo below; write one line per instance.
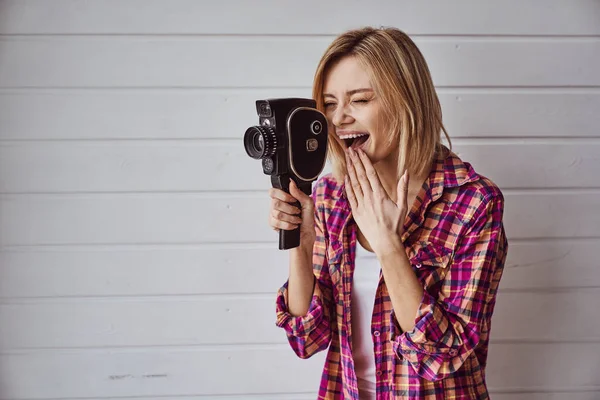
(284, 215)
(287, 216)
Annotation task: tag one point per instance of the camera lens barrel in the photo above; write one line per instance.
(260, 141)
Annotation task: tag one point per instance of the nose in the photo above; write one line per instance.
(341, 116)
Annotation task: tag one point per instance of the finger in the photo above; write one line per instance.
(272, 223)
(287, 208)
(350, 193)
(286, 226)
(284, 217)
(371, 174)
(281, 195)
(406, 180)
(403, 191)
(353, 180)
(361, 173)
(305, 200)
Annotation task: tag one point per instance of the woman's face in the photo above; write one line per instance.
(353, 109)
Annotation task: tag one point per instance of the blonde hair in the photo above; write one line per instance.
(402, 81)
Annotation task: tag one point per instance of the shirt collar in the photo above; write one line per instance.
(449, 171)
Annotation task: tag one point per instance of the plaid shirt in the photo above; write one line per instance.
(455, 240)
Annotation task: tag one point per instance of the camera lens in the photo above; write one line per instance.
(316, 127)
(260, 141)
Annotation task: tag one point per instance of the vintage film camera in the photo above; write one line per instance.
(291, 141)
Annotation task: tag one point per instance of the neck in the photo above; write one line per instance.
(387, 171)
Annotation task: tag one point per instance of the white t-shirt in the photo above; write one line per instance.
(364, 287)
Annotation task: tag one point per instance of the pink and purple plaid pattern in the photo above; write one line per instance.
(455, 239)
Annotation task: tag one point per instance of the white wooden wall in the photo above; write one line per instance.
(136, 260)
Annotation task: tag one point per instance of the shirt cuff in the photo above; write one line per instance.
(303, 325)
(428, 335)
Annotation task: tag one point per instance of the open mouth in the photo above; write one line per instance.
(356, 142)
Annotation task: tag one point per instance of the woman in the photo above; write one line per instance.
(413, 320)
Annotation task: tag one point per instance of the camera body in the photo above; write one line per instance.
(291, 141)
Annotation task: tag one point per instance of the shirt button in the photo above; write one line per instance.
(379, 373)
(453, 352)
(376, 333)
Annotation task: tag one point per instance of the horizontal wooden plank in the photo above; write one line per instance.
(116, 271)
(551, 264)
(138, 218)
(233, 61)
(187, 16)
(224, 166)
(548, 367)
(226, 113)
(129, 166)
(552, 215)
(122, 322)
(157, 373)
(200, 218)
(169, 372)
(530, 164)
(546, 316)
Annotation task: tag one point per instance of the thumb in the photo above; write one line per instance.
(402, 191)
(304, 199)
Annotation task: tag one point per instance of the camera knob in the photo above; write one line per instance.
(316, 127)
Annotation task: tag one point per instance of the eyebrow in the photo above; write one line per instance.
(351, 92)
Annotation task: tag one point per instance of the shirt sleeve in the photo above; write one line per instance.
(449, 328)
(311, 333)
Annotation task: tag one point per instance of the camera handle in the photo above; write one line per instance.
(289, 239)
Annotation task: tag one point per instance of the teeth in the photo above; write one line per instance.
(352, 136)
